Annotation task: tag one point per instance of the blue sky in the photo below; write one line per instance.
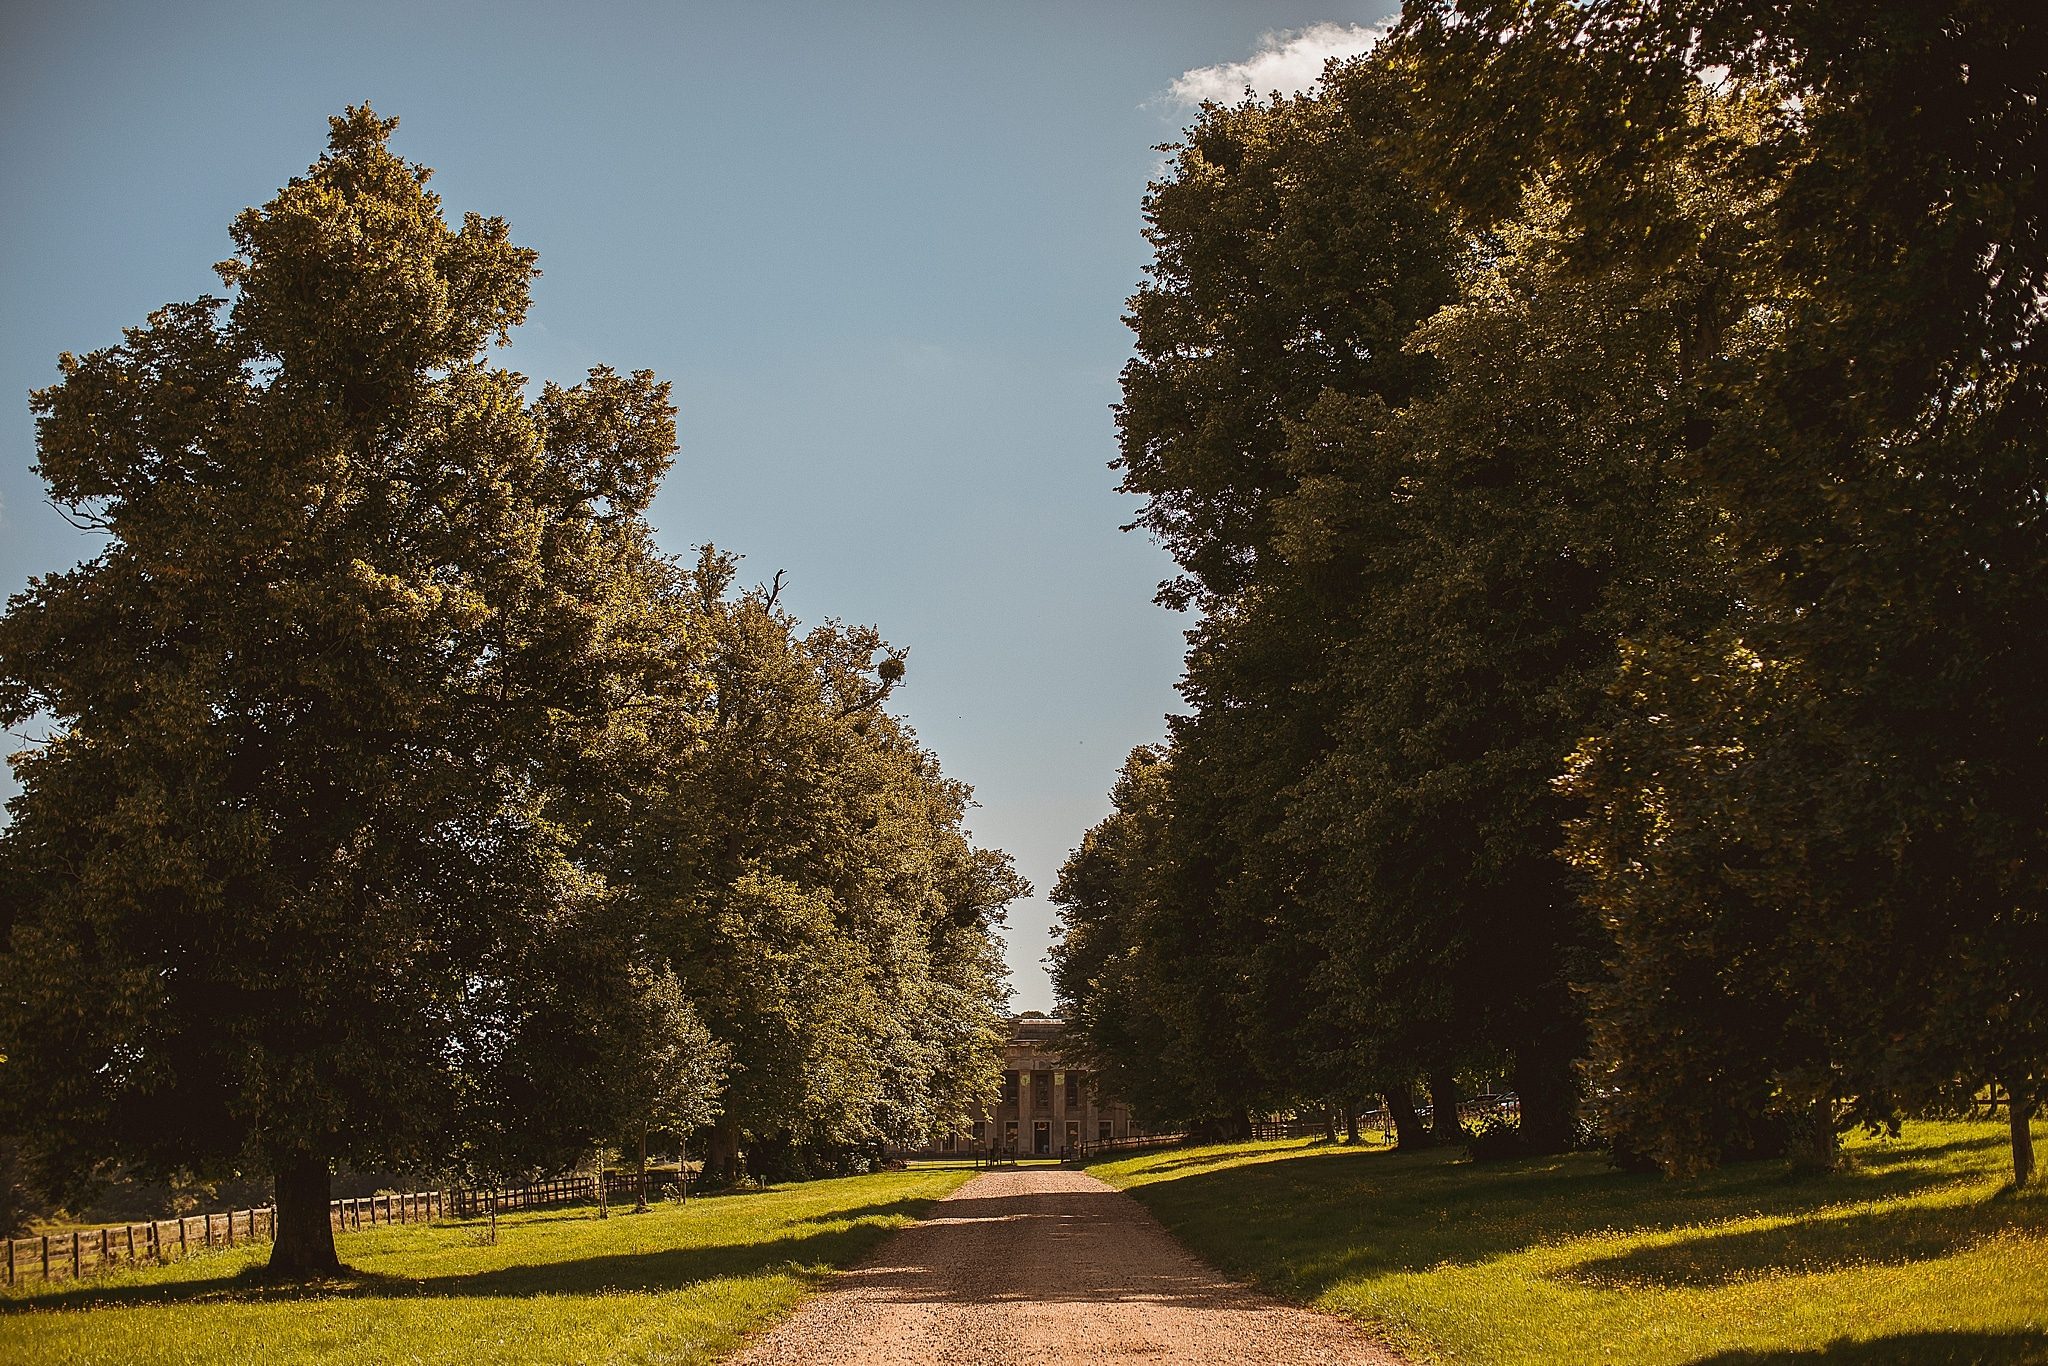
(881, 250)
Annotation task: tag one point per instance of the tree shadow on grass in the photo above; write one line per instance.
(667, 1269)
(1306, 1222)
(2018, 1348)
(890, 1209)
(1828, 1242)
(624, 1272)
(1197, 1161)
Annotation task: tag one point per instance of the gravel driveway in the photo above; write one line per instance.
(1043, 1265)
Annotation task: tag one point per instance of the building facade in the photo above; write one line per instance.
(1047, 1108)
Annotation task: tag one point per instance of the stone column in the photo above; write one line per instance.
(1059, 1111)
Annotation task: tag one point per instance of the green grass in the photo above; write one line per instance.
(1915, 1253)
(679, 1284)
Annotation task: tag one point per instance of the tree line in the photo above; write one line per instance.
(402, 804)
(1602, 445)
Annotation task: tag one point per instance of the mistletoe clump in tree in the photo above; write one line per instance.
(291, 882)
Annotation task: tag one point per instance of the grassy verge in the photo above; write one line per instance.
(679, 1284)
(1914, 1254)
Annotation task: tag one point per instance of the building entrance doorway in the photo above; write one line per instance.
(1041, 1137)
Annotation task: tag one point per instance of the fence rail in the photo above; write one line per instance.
(1131, 1143)
(562, 1190)
(77, 1253)
(1286, 1128)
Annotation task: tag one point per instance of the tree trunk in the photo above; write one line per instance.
(683, 1168)
(640, 1205)
(1815, 1145)
(604, 1208)
(304, 1245)
(1443, 1109)
(1549, 1091)
(2021, 1114)
(1351, 1121)
(1329, 1124)
(491, 1204)
(1408, 1133)
(722, 1155)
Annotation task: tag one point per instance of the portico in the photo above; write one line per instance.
(1047, 1108)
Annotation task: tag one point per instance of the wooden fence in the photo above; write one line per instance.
(1130, 1143)
(76, 1253)
(563, 1190)
(1286, 1128)
(86, 1251)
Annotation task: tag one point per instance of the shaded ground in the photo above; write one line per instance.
(1049, 1266)
(1916, 1252)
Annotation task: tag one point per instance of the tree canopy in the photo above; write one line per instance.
(388, 752)
(1602, 442)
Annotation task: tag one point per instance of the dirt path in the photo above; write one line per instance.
(1049, 1266)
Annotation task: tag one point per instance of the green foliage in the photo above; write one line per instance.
(1603, 441)
(1292, 259)
(403, 806)
(1413, 592)
(685, 1068)
(1813, 836)
(292, 878)
(801, 861)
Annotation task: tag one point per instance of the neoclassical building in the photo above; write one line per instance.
(1047, 1109)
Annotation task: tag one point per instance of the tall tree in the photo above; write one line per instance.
(801, 860)
(292, 882)
(1292, 258)
(1872, 441)
(676, 1071)
(1871, 436)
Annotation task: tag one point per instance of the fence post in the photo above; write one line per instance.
(231, 1227)
(182, 1249)
(105, 1256)
(74, 1254)
(46, 1256)
(10, 1260)
(131, 1242)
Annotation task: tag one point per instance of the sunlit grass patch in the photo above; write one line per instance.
(1915, 1253)
(679, 1284)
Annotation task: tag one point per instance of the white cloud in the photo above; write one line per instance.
(1289, 61)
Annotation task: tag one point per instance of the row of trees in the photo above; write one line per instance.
(1603, 443)
(402, 806)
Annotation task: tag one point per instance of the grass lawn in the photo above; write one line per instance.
(1913, 1254)
(677, 1285)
